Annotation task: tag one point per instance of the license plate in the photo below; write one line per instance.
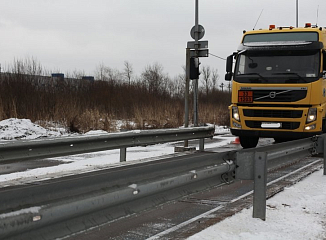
(245, 96)
(271, 125)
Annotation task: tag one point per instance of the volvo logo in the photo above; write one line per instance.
(272, 94)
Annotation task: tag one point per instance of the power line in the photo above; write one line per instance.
(217, 56)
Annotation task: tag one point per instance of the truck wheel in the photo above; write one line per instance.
(248, 142)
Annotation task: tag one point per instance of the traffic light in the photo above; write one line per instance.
(194, 68)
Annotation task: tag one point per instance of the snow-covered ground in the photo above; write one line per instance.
(298, 213)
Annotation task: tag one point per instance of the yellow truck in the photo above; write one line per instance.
(278, 84)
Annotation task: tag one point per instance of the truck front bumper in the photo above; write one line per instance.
(273, 134)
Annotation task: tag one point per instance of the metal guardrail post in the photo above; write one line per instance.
(123, 154)
(201, 144)
(260, 185)
(252, 165)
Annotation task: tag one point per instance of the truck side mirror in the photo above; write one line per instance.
(229, 65)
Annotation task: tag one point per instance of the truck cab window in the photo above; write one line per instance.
(276, 66)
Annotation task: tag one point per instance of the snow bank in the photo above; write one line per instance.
(14, 128)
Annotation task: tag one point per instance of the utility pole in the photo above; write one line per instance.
(222, 86)
(229, 87)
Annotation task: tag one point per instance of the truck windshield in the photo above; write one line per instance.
(277, 66)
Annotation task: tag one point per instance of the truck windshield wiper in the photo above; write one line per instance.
(250, 74)
(291, 73)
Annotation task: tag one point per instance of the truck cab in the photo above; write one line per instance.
(278, 84)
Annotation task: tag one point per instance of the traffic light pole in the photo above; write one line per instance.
(196, 50)
(196, 25)
(195, 87)
(187, 92)
(195, 81)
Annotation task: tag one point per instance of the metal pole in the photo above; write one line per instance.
(196, 24)
(187, 92)
(260, 185)
(202, 144)
(195, 81)
(195, 86)
(297, 13)
(123, 154)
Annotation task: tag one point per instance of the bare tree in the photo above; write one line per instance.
(100, 72)
(179, 86)
(154, 78)
(75, 74)
(128, 71)
(215, 78)
(108, 74)
(28, 66)
(206, 73)
(112, 74)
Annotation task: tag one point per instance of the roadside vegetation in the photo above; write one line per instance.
(151, 100)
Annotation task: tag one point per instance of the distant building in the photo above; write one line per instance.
(58, 76)
(89, 78)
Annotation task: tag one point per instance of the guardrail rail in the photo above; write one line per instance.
(64, 146)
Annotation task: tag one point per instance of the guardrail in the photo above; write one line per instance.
(252, 164)
(53, 212)
(64, 146)
(249, 164)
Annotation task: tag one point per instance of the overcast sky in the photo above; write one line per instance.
(69, 35)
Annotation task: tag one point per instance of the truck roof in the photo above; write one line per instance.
(275, 30)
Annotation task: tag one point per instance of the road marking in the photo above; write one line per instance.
(172, 229)
(184, 223)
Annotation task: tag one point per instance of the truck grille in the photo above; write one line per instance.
(285, 125)
(278, 95)
(272, 113)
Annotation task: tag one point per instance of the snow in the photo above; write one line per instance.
(298, 213)
(96, 132)
(34, 210)
(24, 129)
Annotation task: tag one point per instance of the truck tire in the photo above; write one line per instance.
(248, 142)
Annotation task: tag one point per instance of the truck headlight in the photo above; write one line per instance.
(312, 115)
(236, 125)
(310, 127)
(235, 113)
